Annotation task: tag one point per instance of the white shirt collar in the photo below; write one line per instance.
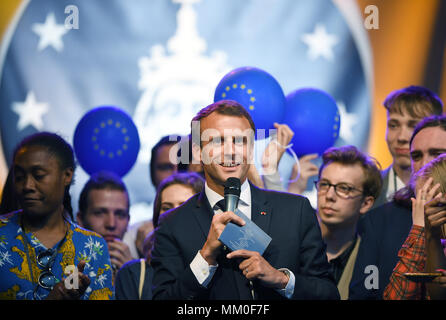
(214, 197)
(394, 181)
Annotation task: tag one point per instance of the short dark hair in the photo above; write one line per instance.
(350, 155)
(103, 180)
(417, 101)
(189, 179)
(164, 141)
(58, 147)
(429, 122)
(225, 107)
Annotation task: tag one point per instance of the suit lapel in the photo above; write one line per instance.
(204, 213)
(261, 209)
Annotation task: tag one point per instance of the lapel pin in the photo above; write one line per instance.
(263, 213)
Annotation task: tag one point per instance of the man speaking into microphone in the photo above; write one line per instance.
(189, 260)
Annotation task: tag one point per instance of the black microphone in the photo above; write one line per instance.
(232, 193)
(232, 196)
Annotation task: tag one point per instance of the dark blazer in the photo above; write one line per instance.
(384, 231)
(296, 244)
(385, 175)
(127, 281)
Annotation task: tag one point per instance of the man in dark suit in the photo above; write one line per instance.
(191, 263)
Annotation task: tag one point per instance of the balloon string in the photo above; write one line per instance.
(296, 159)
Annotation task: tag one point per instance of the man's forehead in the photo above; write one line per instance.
(349, 173)
(429, 138)
(403, 116)
(107, 195)
(228, 132)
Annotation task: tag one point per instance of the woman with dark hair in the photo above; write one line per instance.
(40, 244)
(134, 279)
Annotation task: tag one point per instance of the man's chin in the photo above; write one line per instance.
(402, 162)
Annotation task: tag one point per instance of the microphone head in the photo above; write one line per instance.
(233, 186)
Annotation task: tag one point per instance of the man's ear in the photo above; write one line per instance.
(366, 204)
(196, 153)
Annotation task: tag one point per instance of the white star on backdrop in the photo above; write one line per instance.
(348, 121)
(320, 43)
(50, 33)
(30, 112)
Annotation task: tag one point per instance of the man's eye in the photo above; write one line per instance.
(323, 185)
(415, 156)
(121, 214)
(216, 140)
(344, 188)
(392, 125)
(436, 154)
(239, 140)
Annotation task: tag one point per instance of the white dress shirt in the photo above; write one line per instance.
(395, 184)
(199, 266)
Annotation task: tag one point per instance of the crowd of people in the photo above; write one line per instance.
(374, 234)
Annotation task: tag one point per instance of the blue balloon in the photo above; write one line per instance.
(314, 117)
(106, 139)
(257, 91)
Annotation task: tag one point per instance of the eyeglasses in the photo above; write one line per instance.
(45, 260)
(342, 189)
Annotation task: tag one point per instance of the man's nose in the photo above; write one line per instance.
(229, 146)
(426, 160)
(331, 193)
(405, 134)
(110, 221)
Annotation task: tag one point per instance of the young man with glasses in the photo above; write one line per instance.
(349, 183)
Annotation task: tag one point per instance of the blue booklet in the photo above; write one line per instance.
(248, 237)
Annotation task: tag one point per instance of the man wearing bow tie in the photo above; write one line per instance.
(191, 263)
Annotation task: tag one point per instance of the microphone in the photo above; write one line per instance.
(232, 193)
(232, 196)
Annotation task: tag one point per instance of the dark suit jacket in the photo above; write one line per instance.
(385, 175)
(296, 244)
(384, 231)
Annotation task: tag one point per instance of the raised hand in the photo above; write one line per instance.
(307, 170)
(211, 247)
(61, 292)
(276, 148)
(423, 201)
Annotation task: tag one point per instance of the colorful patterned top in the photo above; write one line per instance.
(412, 259)
(17, 281)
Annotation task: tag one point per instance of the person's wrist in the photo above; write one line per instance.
(208, 255)
(284, 278)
